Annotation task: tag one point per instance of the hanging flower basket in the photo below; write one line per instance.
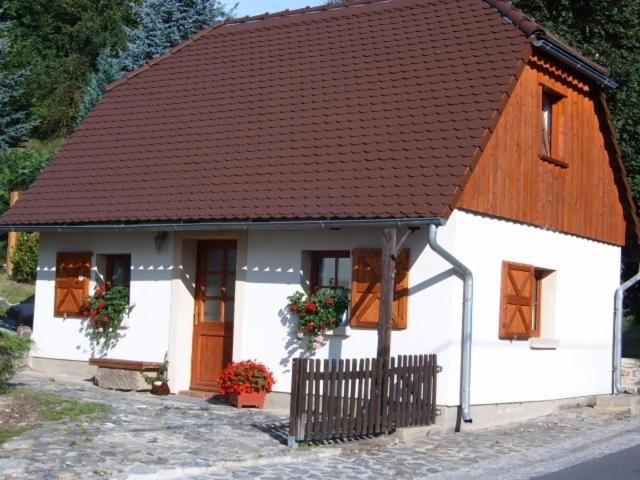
(246, 383)
(105, 312)
(317, 314)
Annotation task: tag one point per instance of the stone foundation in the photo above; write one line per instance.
(630, 370)
(121, 379)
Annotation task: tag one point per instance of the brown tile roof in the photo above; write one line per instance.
(374, 109)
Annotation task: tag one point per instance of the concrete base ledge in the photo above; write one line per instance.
(411, 434)
(54, 366)
(497, 414)
(618, 403)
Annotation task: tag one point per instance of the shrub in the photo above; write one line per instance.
(25, 258)
(245, 377)
(13, 349)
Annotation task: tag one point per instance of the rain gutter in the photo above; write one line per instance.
(617, 332)
(240, 225)
(564, 55)
(467, 322)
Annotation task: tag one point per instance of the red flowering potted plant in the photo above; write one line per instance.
(317, 314)
(246, 383)
(105, 312)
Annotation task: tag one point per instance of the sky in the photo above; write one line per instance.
(255, 7)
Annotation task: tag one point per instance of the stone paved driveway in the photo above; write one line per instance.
(148, 438)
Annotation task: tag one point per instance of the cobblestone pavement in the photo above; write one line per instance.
(148, 438)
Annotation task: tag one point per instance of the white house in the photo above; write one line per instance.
(266, 155)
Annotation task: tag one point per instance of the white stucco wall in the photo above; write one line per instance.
(587, 274)
(274, 271)
(147, 337)
(270, 268)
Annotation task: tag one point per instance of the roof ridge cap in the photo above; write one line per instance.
(235, 21)
(302, 11)
(521, 20)
(149, 63)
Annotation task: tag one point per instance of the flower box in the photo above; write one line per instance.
(252, 399)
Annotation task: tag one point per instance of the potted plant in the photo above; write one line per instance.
(317, 314)
(160, 382)
(246, 383)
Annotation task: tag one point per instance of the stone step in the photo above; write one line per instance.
(623, 402)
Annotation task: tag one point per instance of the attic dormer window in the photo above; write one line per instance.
(550, 135)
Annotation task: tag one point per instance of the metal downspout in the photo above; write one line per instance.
(617, 332)
(467, 317)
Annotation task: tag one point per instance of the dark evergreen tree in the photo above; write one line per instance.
(14, 125)
(162, 24)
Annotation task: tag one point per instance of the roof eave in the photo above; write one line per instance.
(231, 225)
(564, 55)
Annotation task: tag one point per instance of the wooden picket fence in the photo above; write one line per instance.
(333, 399)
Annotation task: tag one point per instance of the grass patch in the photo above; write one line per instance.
(14, 292)
(53, 407)
(9, 433)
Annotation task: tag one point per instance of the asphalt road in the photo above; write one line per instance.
(622, 465)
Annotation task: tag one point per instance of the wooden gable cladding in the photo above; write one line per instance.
(366, 288)
(73, 270)
(578, 193)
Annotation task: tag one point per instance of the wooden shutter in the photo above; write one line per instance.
(517, 301)
(365, 288)
(72, 281)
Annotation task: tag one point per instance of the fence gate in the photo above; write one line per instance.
(348, 398)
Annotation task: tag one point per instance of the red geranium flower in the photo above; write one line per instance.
(101, 305)
(294, 308)
(311, 307)
(93, 313)
(330, 301)
(105, 318)
(310, 327)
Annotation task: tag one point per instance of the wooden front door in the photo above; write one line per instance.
(213, 318)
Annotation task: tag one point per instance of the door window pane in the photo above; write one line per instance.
(211, 311)
(231, 260)
(214, 260)
(344, 272)
(228, 311)
(231, 285)
(212, 285)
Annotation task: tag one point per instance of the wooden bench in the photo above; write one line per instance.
(117, 374)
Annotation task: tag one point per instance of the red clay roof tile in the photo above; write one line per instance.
(373, 109)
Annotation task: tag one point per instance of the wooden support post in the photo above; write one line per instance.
(386, 294)
(12, 237)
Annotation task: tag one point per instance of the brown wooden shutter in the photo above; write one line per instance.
(365, 288)
(517, 302)
(72, 281)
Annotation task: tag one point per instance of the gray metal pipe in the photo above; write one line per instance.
(617, 332)
(557, 51)
(467, 321)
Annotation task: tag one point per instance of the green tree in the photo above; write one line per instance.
(609, 34)
(25, 258)
(14, 125)
(162, 24)
(58, 42)
(18, 169)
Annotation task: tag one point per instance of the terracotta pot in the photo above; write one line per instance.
(253, 399)
(160, 388)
